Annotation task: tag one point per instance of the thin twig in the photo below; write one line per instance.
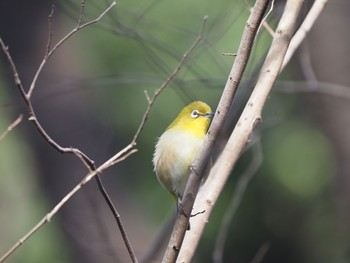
(59, 43)
(331, 89)
(236, 200)
(27, 95)
(229, 54)
(11, 127)
(147, 96)
(120, 156)
(198, 167)
(127, 151)
(82, 10)
(115, 211)
(264, 22)
(259, 256)
(169, 79)
(304, 29)
(48, 45)
(32, 117)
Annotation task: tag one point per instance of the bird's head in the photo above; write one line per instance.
(194, 118)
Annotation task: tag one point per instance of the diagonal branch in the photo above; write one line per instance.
(27, 95)
(32, 116)
(169, 79)
(122, 155)
(305, 27)
(64, 39)
(11, 127)
(199, 165)
(94, 172)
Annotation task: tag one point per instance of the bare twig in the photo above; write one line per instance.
(82, 11)
(127, 151)
(264, 22)
(147, 96)
(250, 116)
(169, 79)
(94, 172)
(229, 54)
(259, 256)
(305, 27)
(27, 95)
(48, 45)
(89, 163)
(32, 117)
(11, 127)
(115, 211)
(331, 89)
(199, 165)
(236, 200)
(59, 43)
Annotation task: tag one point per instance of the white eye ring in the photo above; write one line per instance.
(195, 114)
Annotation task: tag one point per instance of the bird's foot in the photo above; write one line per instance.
(181, 211)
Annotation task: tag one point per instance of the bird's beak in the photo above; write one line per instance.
(209, 115)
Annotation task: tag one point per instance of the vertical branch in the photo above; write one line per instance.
(82, 10)
(49, 40)
(199, 165)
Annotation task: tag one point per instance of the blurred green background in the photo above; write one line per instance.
(91, 95)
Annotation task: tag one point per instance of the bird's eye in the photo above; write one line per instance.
(195, 114)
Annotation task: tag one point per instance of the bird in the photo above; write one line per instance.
(178, 147)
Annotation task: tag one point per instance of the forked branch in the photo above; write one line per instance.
(197, 169)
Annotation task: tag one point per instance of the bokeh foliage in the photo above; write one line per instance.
(289, 204)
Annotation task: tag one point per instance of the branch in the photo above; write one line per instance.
(94, 172)
(169, 79)
(198, 167)
(314, 86)
(122, 155)
(32, 117)
(50, 34)
(251, 115)
(236, 200)
(304, 29)
(259, 256)
(27, 95)
(264, 22)
(66, 37)
(11, 127)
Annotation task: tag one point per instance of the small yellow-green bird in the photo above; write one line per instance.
(178, 147)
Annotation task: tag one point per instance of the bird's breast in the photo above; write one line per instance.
(175, 152)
